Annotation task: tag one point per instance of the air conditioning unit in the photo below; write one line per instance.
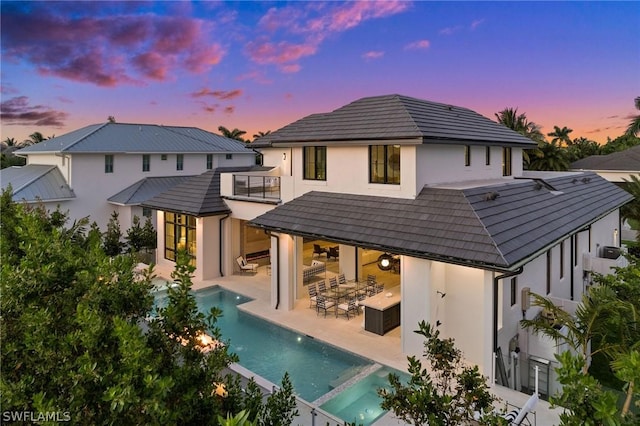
(610, 252)
(586, 262)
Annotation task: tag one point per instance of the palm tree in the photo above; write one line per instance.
(550, 157)
(261, 134)
(561, 135)
(9, 144)
(634, 126)
(34, 138)
(232, 134)
(111, 119)
(509, 117)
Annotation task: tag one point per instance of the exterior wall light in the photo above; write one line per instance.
(284, 156)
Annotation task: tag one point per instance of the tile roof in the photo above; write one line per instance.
(138, 138)
(627, 160)
(198, 195)
(36, 182)
(397, 117)
(146, 189)
(462, 226)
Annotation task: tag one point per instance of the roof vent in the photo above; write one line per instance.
(574, 180)
(490, 196)
(538, 186)
(586, 179)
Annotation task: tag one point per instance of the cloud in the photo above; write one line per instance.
(312, 23)
(419, 44)
(121, 48)
(229, 109)
(450, 30)
(17, 111)
(475, 24)
(218, 94)
(373, 54)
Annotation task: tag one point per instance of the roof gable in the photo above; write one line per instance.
(35, 182)
(627, 160)
(396, 117)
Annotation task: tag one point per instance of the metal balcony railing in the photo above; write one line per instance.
(265, 187)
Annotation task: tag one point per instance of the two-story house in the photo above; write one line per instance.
(438, 190)
(108, 167)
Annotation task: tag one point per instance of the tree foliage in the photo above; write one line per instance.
(81, 335)
(232, 134)
(634, 125)
(448, 393)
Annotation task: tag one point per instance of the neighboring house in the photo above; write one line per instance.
(108, 167)
(615, 167)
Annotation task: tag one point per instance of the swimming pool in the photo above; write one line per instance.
(318, 371)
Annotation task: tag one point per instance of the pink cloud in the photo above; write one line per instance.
(450, 30)
(314, 23)
(374, 54)
(218, 94)
(122, 48)
(17, 111)
(419, 44)
(229, 109)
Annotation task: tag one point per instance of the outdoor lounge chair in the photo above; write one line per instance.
(318, 250)
(324, 304)
(333, 252)
(251, 268)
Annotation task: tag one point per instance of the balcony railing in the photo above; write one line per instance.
(265, 187)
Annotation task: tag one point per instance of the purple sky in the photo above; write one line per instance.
(259, 66)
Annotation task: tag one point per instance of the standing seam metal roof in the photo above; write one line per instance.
(138, 138)
(36, 182)
(468, 226)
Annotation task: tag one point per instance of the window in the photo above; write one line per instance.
(108, 163)
(228, 156)
(163, 157)
(467, 155)
(146, 162)
(562, 259)
(315, 162)
(548, 271)
(180, 162)
(179, 233)
(506, 161)
(487, 156)
(384, 164)
(147, 212)
(209, 161)
(575, 250)
(514, 290)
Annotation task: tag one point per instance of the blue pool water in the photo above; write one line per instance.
(315, 368)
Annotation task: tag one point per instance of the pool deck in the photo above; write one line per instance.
(345, 334)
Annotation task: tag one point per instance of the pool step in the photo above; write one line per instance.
(336, 390)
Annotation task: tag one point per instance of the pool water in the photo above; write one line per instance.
(315, 368)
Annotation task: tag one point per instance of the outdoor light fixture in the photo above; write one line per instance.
(385, 261)
(284, 156)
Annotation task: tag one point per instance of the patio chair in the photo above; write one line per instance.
(371, 279)
(251, 268)
(333, 284)
(324, 304)
(333, 252)
(342, 279)
(318, 250)
(379, 288)
(346, 308)
(322, 287)
(313, 295)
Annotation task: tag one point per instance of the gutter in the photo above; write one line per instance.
(220, 242)
(495, 310)
(277, 237)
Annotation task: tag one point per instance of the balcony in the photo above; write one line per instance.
(257, 187)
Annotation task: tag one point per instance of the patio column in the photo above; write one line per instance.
(417, 295)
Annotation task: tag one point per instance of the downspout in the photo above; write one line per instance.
(573, 263)
(495, 311)
(277, 237)
(220, 242)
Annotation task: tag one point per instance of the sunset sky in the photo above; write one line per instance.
(258, 66)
